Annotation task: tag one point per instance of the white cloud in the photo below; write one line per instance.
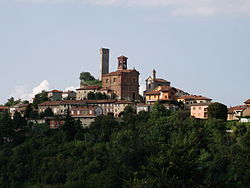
(20, 92)
(71, 88)
(176, 7)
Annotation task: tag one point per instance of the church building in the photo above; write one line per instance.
(124, 82)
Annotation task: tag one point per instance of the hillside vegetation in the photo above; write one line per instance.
(157, 149)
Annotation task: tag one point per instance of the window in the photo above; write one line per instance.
(193, 108)
(107, 80)
(199, 108)
(114, 79)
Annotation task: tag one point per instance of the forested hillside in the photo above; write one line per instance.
(157, 149)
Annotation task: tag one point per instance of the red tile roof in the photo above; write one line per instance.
(101, 101)
(4, 107)
(50, 103)
(161, 80)
(89, 88)
(167, 88)
(153, 93)
(193, 97)
(118, 72)
(239, 107)
(56, 91)
(123, 102)
(247, 101)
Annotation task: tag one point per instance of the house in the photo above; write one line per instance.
(119, 107)
(55, 95)
(163, 94)
(62, 107)
(82, 93)
(235, 112)
(124, 83)
(247, 102)
(18, 108)
(69, 95)
(152, 82)
(86, 114)
(188, 100)
(199, 110)
(180, 93)
(240, 113)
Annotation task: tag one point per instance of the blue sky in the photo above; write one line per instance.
(201, 46)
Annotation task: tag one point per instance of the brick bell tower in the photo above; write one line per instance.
(122, 63)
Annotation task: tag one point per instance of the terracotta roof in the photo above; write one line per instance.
(123, 102)
(161, 80)
(193, 97)
(247, 101)
(101, 101)
(89, 88)
(71, 102)
(153, 93)
(4, 107)
(201, 104)
(167, 88)
(239, 107)
(50, 103)
(56, 91)
(118, 72)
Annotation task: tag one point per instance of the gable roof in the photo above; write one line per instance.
(247, 101)
(193, 97)
(119, 72)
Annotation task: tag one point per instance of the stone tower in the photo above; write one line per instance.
(154, 74)
(122, 63)
(104, 64)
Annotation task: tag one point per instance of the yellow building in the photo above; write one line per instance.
(165, 94)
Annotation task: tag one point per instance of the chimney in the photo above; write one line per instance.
(104, 62)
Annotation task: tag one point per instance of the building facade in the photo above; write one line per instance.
(124, 83)
(199, 110)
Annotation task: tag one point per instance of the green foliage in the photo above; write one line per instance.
(12, 102)
(40, 98)
(150, 149)
(217, 111)
(97, 96)
(86, 76)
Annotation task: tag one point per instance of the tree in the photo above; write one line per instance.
(86, 76)
(48, 112)
(28, 111)
(217, 111)
(40, 98)
(158, 111)
(12, 102)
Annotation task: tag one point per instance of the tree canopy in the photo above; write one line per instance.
(218, 111)
(156, 149)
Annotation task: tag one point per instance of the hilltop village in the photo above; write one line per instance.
(116, 90)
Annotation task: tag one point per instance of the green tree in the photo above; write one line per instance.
(217, 111)
(12, 102)
(86, 76)
(40, 98)
(48, 112)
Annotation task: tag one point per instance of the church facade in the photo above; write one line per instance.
(124, 83)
